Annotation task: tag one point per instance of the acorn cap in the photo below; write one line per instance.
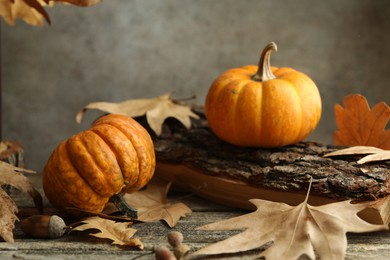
(181, 251)
(57, 227)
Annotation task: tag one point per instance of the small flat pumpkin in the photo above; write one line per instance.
(116, 155)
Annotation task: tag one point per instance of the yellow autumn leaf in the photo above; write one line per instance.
(32, 11)
(157, 110)
(8, 216)
(152, 204)
(119, 232)
(12, 175)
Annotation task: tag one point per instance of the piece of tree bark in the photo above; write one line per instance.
(197, 160)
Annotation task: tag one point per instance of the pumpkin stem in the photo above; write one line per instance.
(122, 205)
(264, 72)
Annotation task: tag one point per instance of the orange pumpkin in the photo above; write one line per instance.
(116, 155)
(263, 106)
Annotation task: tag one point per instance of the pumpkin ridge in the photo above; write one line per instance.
(245, 86)
(64, 190)
(73, 166)
(49, 181)
(79, 169)
(112, 184)
(229, 92)
(66, 149)
(106, 142)
(118, 157)
(137, 175)
(262, 116)
(280, 134)
(145, 138)
(240, 86)
(300, 133)
(260, 112)
(306, 129)
(143, 169)
(139, 146)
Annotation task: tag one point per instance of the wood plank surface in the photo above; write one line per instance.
(360, 246)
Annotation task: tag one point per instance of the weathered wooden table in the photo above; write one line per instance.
(360, 246)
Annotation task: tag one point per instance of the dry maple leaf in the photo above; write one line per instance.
(119, 232)
(152, 204)
(294, 231)
(32, 11)
(8, 217)
(358, 125)
(11, 175)
(374, 154)
(156, 110)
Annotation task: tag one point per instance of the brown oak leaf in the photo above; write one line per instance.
(358, 125)
(156, 110)
(152, 204)
(294, 231)
(119, 232)
(8, 217)
(32, 11)
(11, 175)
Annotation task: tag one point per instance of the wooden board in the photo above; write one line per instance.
(237, 194)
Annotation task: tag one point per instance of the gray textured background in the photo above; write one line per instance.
(143, 48)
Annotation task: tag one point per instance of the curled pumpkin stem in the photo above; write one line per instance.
(264, 72)
(122, 205)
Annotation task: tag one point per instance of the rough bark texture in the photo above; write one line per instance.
(285, 169)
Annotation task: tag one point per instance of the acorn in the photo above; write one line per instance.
(163, 253)
(181, 251)
(44, 226)
(175, 238)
